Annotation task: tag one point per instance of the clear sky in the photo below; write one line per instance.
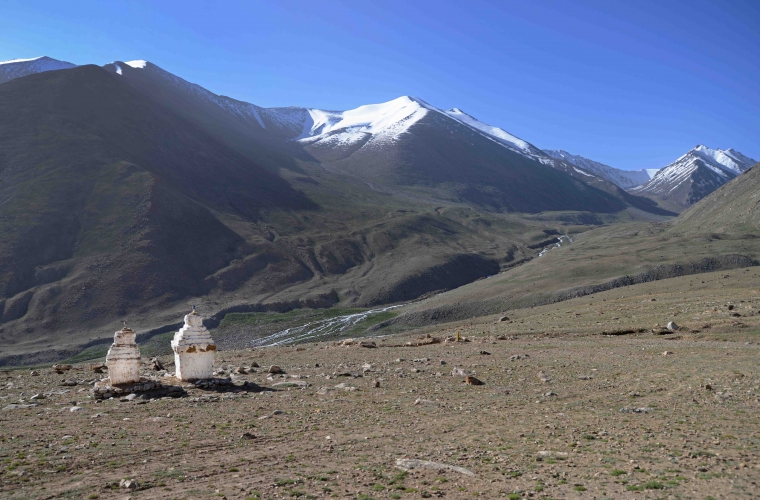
(634, 84)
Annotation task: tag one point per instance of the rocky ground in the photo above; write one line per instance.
(564, 411)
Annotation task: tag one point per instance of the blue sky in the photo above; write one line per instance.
(630, 84)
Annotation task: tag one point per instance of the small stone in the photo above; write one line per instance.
(130, 397)
(368, 344)
(38, 396)
(504, 318)
(459, 372)
(376, 383)
(156, 365)
(443, 362)
(667, 353)
(545, 377)
(69, 383)
(75, 409)
(128, 484)
(248, 435)
(275, 369)
(470, 380)
(485, 353)
(254, 365)
(672, 326)
(34, 373)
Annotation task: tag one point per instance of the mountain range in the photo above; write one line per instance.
(126, 190)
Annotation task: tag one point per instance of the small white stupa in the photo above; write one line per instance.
(193, 350)
(123, 358)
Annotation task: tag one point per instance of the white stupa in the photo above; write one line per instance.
(123, 358)
(193, 350)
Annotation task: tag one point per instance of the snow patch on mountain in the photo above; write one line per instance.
(495, 132)
(138, 64)
(625, 179)
(17, 68)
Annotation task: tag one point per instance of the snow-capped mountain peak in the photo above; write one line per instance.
(16, 68)
(696, 174)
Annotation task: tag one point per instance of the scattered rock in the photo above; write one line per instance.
(410, 463)
(292, 383)
(544, 454)
(504, 318)
(485, 353)
(75, 409)
(19, 406)
(376, 383)
(459, 372)
(368, 344)
(255, 365)
(545, 377)
(275, 369)
(98, 367)
(419, 401)
(585, 377)
(667, 353)
(516, 357)
(69, 383)
(470, 380)
(672, 326)
(347, 342)
(247, 435)
(38, 396)
(636, 410)
(60, 368)
(156, 365)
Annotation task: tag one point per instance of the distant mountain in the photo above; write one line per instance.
(695, 175)
(625, 179)
(16, 68)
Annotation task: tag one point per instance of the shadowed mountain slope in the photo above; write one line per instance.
(235, 123)
(108, 196)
